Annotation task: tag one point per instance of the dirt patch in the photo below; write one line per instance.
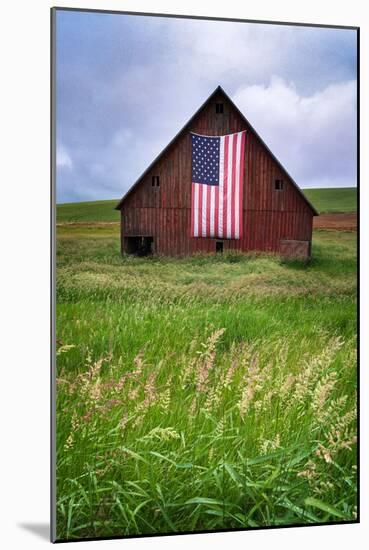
(338, 222)
(87, 224)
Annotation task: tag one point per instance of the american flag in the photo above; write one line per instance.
(217, 185)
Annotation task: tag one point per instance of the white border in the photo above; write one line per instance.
(24, 51)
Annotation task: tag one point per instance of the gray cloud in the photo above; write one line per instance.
(126, 85)
(314, 136)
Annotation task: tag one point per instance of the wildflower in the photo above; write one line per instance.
(161, 434)
(286, 386)
(75, 421)
(64, 348)
(150, 389)
(95, 392)
(219, 430)
(310, 470)
(214, 397)
(133, 394)
(123, 422)
(69, 442)
(164, 401)
(187, 372)
(192, 409)
(246, 398)
(323, 452)
(254, 381)
(268, 445)
(312, 370)
(149, 398)
(206, 361)
(138, 361)
(229, 375)
(321, 393)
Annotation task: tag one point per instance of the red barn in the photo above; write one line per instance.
(156, 211)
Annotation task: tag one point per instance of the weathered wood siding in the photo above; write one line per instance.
(164, 212)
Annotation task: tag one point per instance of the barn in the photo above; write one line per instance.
(156, 210)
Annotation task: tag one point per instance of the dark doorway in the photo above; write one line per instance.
(139, 246)
(219, 246)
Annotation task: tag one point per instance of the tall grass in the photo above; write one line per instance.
(203, 393)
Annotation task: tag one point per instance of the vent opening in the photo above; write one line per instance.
(278, 185)
(138, 246)
(219, 246)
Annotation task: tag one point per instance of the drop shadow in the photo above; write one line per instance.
(42, 530)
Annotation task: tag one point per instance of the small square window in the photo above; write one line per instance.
(278, 185)
(155, 182)
(219, 108)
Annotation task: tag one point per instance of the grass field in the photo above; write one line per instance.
(324, 200)
(94, 211)
(203, 393)
(333, 199)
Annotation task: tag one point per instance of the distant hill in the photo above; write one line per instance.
(324, 200)
(94, 211)
(334, 199)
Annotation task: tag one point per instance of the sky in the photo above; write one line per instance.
(125, 85)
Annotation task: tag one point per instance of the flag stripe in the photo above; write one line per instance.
(204, 211)
(193, 209)
(217, 205)
(229, 184)
(199, 212)
(225, 187)
(216, 211)
(237, 191)
(234, 194)
(196, 210)
(208, 211)
(240, 183)
(212, 209)
(221, 185)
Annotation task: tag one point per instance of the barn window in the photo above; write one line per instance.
(155, 182)
(219, 108)
(219, 246)
(278, 185)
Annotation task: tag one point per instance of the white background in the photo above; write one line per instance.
(24, 288)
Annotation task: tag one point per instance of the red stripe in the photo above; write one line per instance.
(240, 202)
(216, 211)
(193, 210)
(225, 186)
(204, 209)
(208, 197)
(233, 198)
(199, 224)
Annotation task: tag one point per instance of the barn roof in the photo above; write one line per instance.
(188, 123)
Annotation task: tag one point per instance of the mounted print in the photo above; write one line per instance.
(204, 320)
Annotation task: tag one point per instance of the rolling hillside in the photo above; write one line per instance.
(325, 200)
(94, 211)
(333, 200)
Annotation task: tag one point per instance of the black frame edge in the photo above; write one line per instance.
(52, 275)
